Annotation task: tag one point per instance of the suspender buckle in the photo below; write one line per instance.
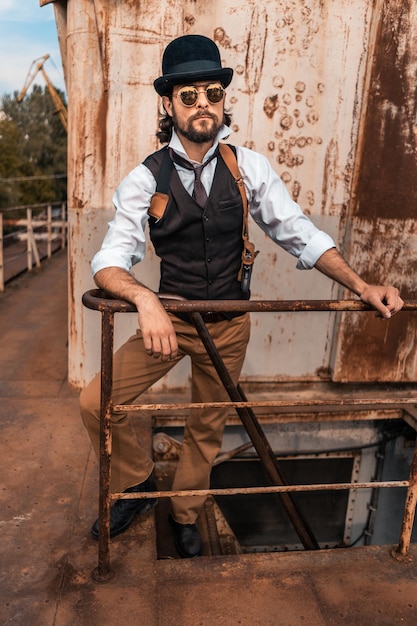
(246, 274)
(248, 258)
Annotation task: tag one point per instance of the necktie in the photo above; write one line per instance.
(199, 193)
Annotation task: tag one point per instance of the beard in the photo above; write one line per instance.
(201, 135)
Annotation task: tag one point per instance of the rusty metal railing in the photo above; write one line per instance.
(99, 301)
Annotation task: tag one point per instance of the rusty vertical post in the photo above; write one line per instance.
(49, 231)
(29, 243)
(64, 226)
(32, 248)
(103, 573)
(401, 553)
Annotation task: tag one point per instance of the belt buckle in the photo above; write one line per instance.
(211, 316)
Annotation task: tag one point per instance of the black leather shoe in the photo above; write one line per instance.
(187, 539)
(123, 512)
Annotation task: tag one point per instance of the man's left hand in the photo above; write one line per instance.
(384, 298)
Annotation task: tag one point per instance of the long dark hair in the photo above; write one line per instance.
(166, 125)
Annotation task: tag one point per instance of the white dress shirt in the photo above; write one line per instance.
(271, 207)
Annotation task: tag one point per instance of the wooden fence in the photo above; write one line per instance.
(26, 241)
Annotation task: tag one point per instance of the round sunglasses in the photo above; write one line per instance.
(188, 95)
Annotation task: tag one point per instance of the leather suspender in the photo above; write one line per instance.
(160, 198)
(248, 254)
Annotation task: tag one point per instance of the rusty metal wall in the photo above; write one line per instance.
(299, 96)
(381, 236)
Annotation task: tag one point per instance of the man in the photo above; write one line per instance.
(199, 241)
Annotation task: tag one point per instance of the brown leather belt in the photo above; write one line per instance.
(212, 317)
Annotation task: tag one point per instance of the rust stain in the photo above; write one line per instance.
(298, 25)
(101, 131)
(385, 251)
(271, 105)
(76, 189)
(256, 49)
(73, 305)
(291, 143)
(369, 349)
(102, 20)
(382, 232)
(222, 38)
(387, 181)
(329, 176)
(374, 359)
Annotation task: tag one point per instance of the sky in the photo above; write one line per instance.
(27, 32)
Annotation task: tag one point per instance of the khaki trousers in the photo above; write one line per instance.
(134, 372)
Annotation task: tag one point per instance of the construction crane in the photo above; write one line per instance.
(60, 107)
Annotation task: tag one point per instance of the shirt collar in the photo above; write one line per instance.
(177, 146)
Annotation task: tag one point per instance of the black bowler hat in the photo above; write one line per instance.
(191, 58)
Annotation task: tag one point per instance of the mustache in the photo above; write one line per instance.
(203, 114)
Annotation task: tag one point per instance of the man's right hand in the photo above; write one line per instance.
(158, 332)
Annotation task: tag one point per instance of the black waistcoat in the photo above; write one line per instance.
(200, 249)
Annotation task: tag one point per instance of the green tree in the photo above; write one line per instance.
(10, 162)
(33, 142)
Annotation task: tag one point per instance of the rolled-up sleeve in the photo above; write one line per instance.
(277, 214)
(124, 244)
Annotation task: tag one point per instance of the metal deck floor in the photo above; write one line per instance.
(49, 500)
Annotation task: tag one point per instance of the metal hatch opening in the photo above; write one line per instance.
(260, 522)
(253, 523)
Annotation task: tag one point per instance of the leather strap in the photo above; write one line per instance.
(248, 254)
(160, 198)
